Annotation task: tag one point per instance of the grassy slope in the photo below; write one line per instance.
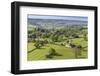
(83, 43)
(39, 54)
(67, 53)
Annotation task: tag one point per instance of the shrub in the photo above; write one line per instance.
(38, 44)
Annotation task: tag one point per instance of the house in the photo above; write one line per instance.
(67, 46)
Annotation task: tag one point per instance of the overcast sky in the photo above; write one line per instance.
(79, 18)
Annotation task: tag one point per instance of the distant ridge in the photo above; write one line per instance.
(54, 23)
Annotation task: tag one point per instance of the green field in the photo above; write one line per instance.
(66, 53)
(57, 37)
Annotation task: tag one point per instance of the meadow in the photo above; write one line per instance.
(70, 42)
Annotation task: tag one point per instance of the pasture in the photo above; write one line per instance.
(57, 38)
(66, 53)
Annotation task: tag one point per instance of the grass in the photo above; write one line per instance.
(67, 53)
(39, 54)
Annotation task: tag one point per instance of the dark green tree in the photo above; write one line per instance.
(38, 44)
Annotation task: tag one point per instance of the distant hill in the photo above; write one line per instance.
(54, 23)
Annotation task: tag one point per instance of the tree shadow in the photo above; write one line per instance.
(41, 48)
(32, 50)
(50, 56)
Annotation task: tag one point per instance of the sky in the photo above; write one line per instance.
(78, 18)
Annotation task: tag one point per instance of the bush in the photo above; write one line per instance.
(75, 36)
(38, 44)
(72, 45)
(42, 43)
(45, 41)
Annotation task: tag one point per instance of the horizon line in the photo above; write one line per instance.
(77, 18)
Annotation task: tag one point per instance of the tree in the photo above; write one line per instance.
(42, 43)
(78, 51)
(54, 37)
(75, 36)
(38, 44)
(45, 41)
(85, 37)
(52, 51)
